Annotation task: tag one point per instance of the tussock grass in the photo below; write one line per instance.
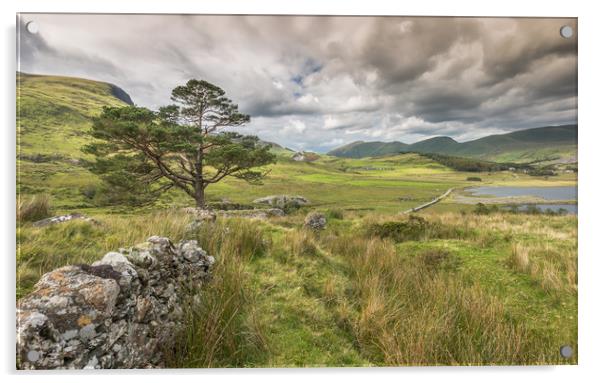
(420, 304)
(462, 289)
(43, 249)
(222, 328)
(555, 269)
(221, 325)
(410, 312)
(33, 208)
(520, 258)
(300, 243)
(335, 213)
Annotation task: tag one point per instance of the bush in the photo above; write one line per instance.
(34, 209)
(542, 172)
(483, 209)
(89, 191)
(478, 179)
(413, 229)
(439, 259)
(39, 158)
(335, 213)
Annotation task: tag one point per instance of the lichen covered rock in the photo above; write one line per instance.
(253, 213)
(283, 201)
(116, 313)
(200, 214)
(315, 221)
(63, 218)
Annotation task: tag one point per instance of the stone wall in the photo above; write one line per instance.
(119, 312)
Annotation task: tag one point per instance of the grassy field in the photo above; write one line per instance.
(376, 288)
(455, 289)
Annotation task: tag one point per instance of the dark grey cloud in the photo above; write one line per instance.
(318, 82)
(37, 56)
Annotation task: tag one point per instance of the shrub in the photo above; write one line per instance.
(89, 191)
(414, 228)
(34, 209)
(335, 213)
(483, 209)
(478, 179)
(439, 259)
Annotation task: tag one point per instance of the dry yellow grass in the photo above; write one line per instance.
(554, 269)
(300, 243)
(520, 258)
(400, 305)
(408, 313)
(414, 309)
(34, 208)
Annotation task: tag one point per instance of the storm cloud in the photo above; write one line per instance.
(320, 82)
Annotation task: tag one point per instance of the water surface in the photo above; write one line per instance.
(558, 193)
(550, 193)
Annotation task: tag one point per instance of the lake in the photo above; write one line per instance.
(560, 193)
(550, 193)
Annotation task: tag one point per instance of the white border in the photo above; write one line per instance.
(590, 141)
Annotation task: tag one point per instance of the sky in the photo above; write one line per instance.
(316, 83)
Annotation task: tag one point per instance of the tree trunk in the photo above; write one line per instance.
(200, 197)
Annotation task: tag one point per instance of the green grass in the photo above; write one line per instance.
(53, 115)
(372, 289)
(283, 296)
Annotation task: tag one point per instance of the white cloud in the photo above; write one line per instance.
(317, 82)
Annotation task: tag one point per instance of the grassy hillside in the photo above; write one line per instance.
(525, 145)
(435, 145)
(552, 142)
(361, 149)
(53, 114)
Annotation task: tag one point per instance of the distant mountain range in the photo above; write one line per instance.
(557, 143)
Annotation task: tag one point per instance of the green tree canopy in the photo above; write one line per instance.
(140, 153)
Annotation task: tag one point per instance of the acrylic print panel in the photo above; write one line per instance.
(270, 191)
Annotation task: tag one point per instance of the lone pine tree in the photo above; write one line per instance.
(140, 153)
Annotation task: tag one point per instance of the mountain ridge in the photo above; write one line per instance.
(527, 144)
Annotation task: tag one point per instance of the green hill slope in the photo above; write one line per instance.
(53, 114)
(434, 145)
(551, 142)
(529, 144)
(361, 149)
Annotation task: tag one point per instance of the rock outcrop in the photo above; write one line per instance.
(62, 218)
(201, 214)
(283, 201)
(315, 221)
(118, 312)
(305, 157)
(253, 213)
